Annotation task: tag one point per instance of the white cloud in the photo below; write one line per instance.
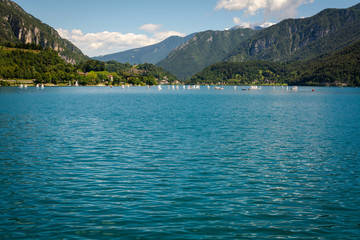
(94, 44)
(266, 24)
(150, 27)
(242, 24)
(163, 35)
(279, 9)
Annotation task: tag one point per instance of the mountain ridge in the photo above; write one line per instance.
(337, 68)
(301, 34)
(18, 26)
(203, 49)
(149, 54)
(291, 39)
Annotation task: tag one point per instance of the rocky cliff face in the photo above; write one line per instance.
(18, 26)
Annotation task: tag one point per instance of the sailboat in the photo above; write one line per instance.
(218, 88)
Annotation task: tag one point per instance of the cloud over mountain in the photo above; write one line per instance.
(95, 44)
(279, 9)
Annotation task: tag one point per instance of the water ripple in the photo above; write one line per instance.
(101, 163)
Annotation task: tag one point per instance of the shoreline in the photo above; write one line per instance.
(30, 83)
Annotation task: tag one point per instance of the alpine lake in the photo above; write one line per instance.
(139, 163)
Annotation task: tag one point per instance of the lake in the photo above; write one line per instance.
(138, 163)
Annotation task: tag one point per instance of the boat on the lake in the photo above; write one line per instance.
(253, 88)
(218, 88)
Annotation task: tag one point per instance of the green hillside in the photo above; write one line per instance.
(291, 39)
(338, 68)
(335, 68)
(301, 39)
(17, 26)
(39, 65)
(203, 49)
(31, 62)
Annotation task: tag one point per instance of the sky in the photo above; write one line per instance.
(100, 27)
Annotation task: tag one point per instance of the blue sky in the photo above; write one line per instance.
(108, 26)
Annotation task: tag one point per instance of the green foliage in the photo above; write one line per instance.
(14, 20)
(302, 39)
(336, 68)
(333, 69)
(43, 66)
(149, 70)
(91, 65)
(243, 73)
(289, 40)
(113, 66)
(202, 50)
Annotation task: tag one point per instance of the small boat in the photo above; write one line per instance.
(294, 89)
(244, 89)
(25, 86)
(21, 86)
(42, 86)
(234, 88)
(37, 86)
(159, 87)
(218, 88)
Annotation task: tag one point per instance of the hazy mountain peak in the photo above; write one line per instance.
(149, 54)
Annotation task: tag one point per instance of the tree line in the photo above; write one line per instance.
(338, 68)
(29, 61)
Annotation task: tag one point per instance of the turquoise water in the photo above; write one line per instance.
(137, 163)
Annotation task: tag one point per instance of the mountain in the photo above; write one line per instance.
(337, 68)
(203, 49)
(291, 39)
(150, 54)
(17, 26)
(340, 67)
(299, 39)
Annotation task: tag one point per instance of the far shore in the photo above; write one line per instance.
(31, 83)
